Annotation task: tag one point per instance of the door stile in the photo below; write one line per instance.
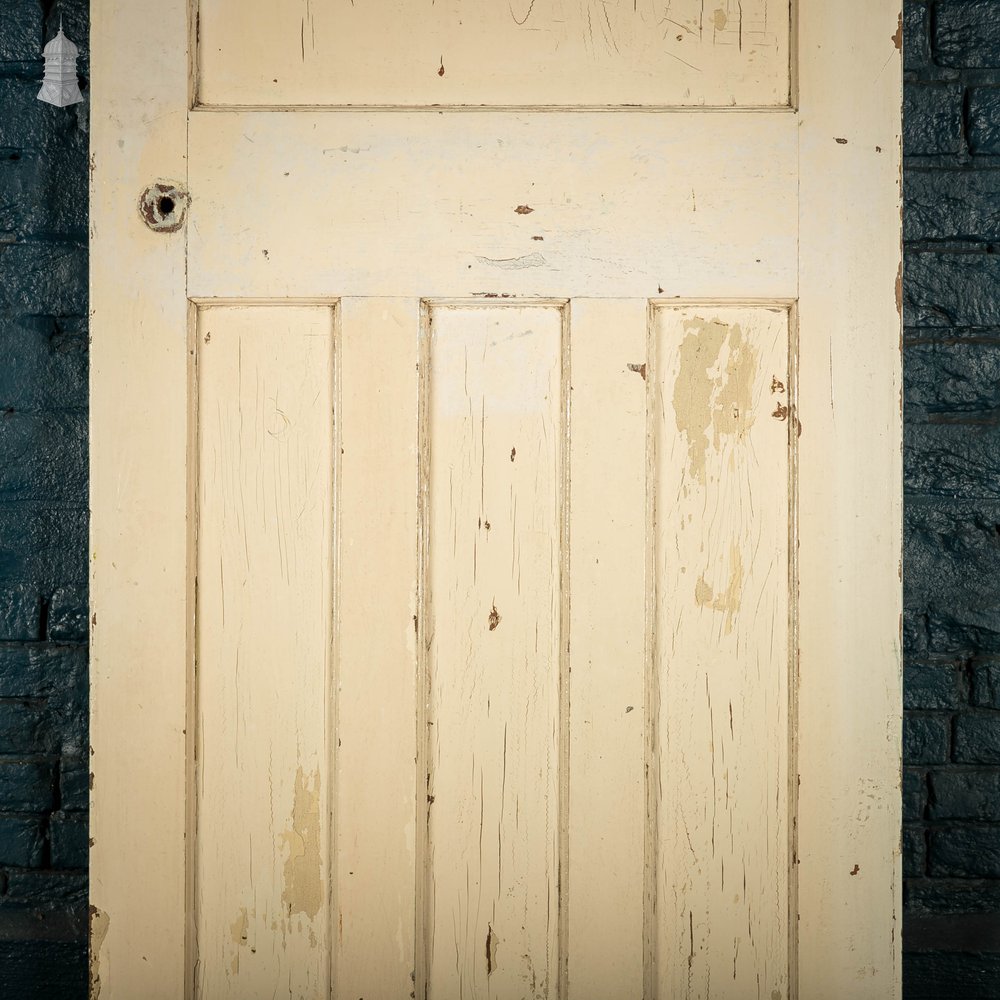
(190, 957)
(138, 486)
(850, 521)
(794, 432)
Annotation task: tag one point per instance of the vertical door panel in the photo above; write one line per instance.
(264, 632)
(607, 695)
(493, 453)
(721, 668)
(376, 810)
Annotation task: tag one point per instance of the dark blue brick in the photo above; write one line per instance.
(43, 278)
(20, 613)
(926, 739)
(44, 970)
(64, 889)
(956, 630)
(21, 31)
(43, 456)
(942, 975)
(68, 833)
(68, 615)
(977, 738)
(932, 120)
(43, 545)
(22, 842)
(933, 686)
(914, 851)
(952, 205)
(914, 794)
(953, 378)
(985, 688)
(916, 37)
(965, 794)
(43, 363)
(41, 671)
(74, 783)
(42, 193)
(952, 554)
(28, 123)
(27, 785)
(24, 728)
(965, 851)
(952, 460)
(983, 121)
(951, 896)
(966, 34)
(951, 289)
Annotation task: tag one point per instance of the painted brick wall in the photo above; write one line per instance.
(43, 515)
(951, 221)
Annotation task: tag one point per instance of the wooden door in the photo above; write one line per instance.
(495, 500)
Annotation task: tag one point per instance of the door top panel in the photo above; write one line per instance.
(499, 53)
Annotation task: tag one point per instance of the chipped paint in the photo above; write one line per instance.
(713, 391)
(728, 600)
(239, 931)
(897, 38)
(99, 923)
(514, 263)
(163, 205)
(303, 891)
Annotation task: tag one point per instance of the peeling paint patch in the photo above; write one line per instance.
(897, 39)
(728, 600)
(303, 891)
(238, 929)
(713, 391)
(491, 950)
(514, 263)
(99, 923)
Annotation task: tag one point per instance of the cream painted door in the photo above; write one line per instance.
(495, 500)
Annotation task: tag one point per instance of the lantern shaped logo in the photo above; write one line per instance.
(60, 86)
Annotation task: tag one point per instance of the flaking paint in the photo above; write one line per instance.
(713, 392)
(303, 891)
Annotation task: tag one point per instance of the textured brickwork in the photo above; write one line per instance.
(951, 779)
(43, 514)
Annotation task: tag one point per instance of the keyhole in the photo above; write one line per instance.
(162, 207)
